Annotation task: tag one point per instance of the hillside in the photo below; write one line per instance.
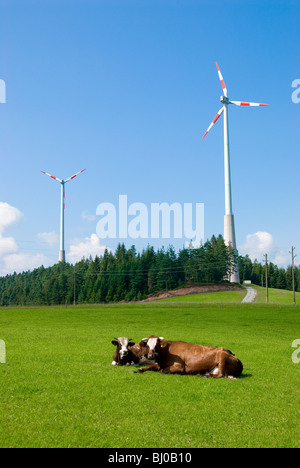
(181, 293)
(224, 293)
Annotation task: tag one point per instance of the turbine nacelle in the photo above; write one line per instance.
(224, 100)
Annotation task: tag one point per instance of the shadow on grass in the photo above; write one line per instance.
(245, 376)
(242, 376)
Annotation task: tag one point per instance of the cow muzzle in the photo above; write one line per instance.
(123, 353)
(152, 355)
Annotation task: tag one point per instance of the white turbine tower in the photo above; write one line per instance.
(229, 231)
(62, 255)
(2, 92)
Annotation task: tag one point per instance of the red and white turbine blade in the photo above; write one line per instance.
(241, 103)
(214, 121)
(52, 177)
(222, 80)
(75, 175)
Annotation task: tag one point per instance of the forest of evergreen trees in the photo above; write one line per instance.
(125, 275)
(128, 276)
(279, 278)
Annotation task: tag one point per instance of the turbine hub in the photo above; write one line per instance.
(224, 100)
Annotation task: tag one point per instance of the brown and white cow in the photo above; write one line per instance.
(179, 357)
(128, 353)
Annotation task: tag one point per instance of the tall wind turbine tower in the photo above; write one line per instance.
(229, 231)
(62, 254)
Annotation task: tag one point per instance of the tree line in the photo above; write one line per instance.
(128, 275)
(125, 275)
(278, 278)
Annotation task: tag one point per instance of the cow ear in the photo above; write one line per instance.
(132, 343)
(115, 343)
(163, 344)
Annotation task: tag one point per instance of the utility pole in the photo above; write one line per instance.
(74, 283)
(267, 292)
(293, 273)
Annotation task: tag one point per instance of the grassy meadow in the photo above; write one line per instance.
(276, 296)
(59, 389)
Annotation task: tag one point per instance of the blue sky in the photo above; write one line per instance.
(126, 89)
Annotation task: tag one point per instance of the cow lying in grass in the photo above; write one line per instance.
(178, 357)
(128, 353)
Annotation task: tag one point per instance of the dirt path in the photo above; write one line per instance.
(250, 296)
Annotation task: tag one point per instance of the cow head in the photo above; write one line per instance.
(123, 344)
(154, 345)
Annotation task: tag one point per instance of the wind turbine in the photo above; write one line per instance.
(62, 255)
(229, 231)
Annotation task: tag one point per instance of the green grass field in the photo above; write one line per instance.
(276, 296)
(59, 389)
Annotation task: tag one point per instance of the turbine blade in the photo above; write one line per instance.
(52, 177)
(75, 175)
(222, 80)
(241, 103)
(214, 121)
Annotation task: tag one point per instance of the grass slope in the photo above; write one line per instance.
(58, 388)
(210, 297)
(276, 296)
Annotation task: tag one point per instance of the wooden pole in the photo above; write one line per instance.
(293, 273)
(267, 292)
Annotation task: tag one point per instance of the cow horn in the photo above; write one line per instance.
(161, 338)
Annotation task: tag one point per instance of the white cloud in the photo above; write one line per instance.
(19, 262)
(11, 260)
(261, 243)
(257, 245)
(88, 217)
(282, 259)
(8, 245)
(9, 215)
(49, 238)
(89, 247)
